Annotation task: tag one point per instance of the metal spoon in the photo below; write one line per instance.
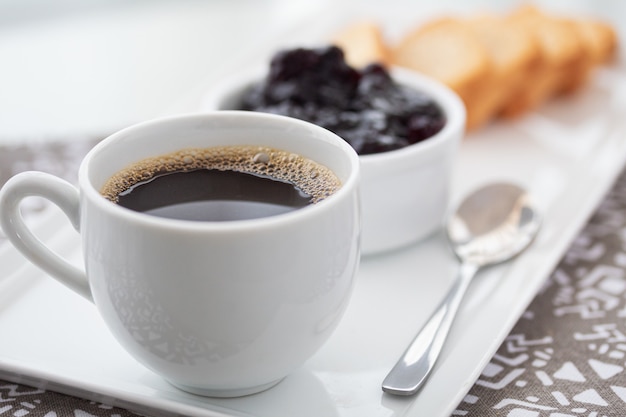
(492, 225)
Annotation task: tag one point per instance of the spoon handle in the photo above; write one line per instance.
(412, 369)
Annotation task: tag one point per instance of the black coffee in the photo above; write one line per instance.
(221, 184)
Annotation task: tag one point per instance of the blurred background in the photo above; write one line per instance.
(83, 68)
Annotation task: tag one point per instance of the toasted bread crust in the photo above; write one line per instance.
(363, 43)
(513, 54)
(446, 50)
(560, 51)
(600, 39)
(450, 52)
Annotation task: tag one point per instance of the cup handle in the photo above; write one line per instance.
(65, 196)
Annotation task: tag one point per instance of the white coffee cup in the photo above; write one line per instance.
(216, 308)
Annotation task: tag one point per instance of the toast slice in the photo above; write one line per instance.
(599, 42)
(513, 52)
(362, 44)
(448, 51)
(600, 38)
(561, 55)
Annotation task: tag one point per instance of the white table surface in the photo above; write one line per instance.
(88, 70)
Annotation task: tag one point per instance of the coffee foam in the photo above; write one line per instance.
(312, 178)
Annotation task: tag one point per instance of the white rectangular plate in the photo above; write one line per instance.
(567, 154)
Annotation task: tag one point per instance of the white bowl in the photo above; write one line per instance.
(404, 192)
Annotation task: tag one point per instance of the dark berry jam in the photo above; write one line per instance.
(366, 108)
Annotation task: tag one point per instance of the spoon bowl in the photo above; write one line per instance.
(492, 225)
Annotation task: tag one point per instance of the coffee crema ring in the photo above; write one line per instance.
(311, 177)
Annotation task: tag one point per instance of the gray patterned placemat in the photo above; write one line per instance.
(566, 356)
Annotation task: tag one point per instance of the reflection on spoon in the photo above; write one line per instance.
(492, 225)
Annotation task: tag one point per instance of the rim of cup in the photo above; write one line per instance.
(94, 195)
